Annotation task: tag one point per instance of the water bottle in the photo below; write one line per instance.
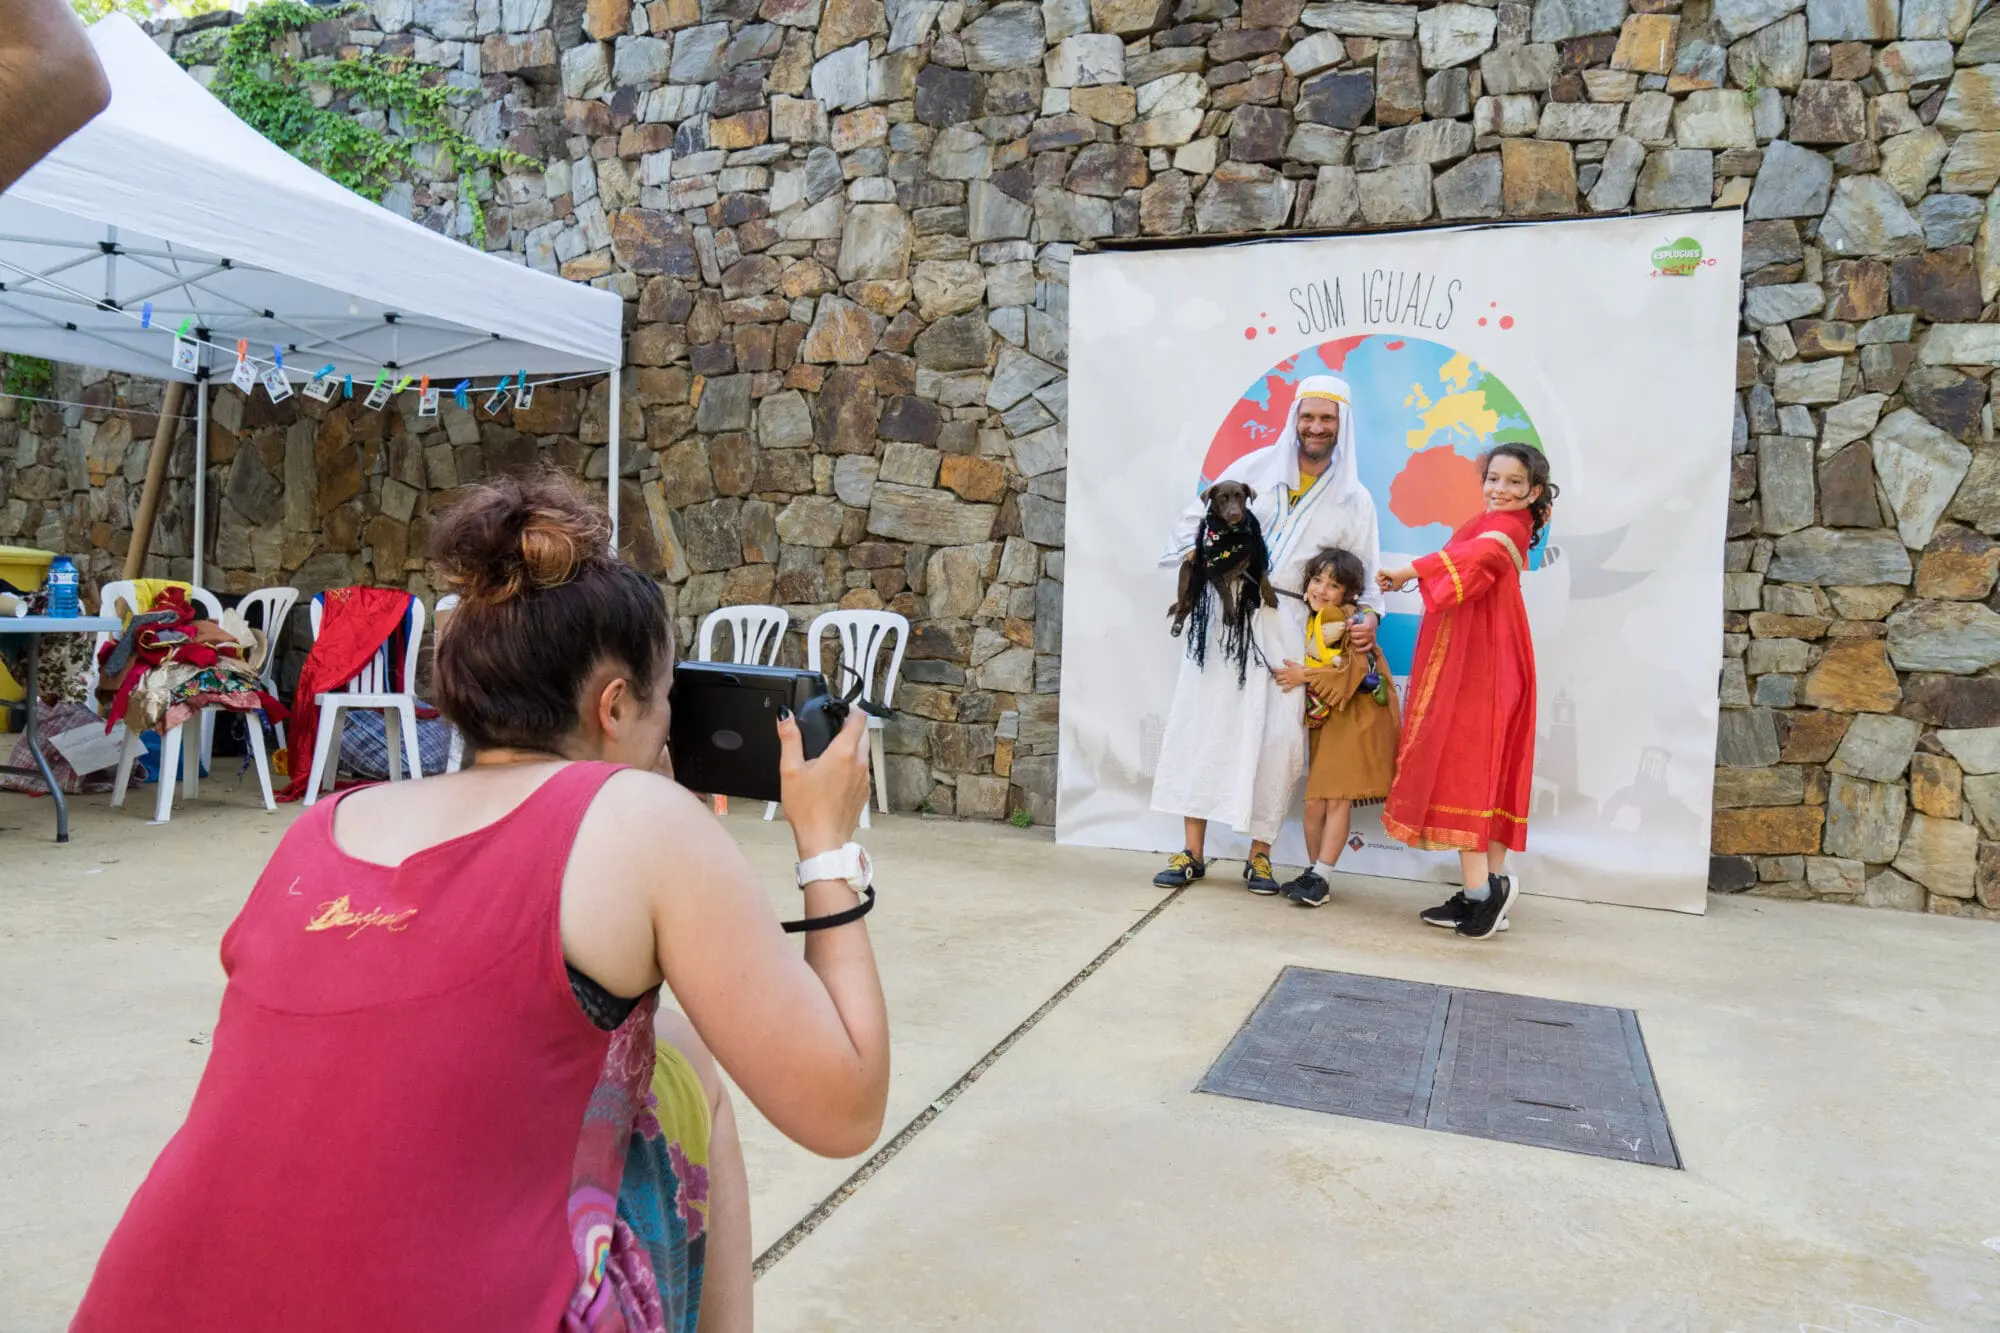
(62, 587)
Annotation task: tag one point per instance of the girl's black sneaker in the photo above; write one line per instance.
(1452, 911)
(1309, 890)
(1182, 869)
(1489, 913)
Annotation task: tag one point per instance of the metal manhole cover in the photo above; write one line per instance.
(1543, 1072)
(1330, 1041)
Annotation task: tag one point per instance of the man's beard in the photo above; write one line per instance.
(1315, 452)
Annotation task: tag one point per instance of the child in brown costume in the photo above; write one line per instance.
(1351, 712)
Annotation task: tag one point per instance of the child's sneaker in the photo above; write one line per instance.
(1183, 868)
(1308, 890)
(1258, 871)
(1450, 912)
(1483, 921)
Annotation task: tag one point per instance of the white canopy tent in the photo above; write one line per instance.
(167, 200)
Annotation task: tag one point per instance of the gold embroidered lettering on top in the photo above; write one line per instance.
(340, 915)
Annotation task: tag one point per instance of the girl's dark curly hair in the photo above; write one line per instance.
(1537, 464)
(1345, 567)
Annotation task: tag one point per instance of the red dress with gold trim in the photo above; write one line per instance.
(1465, 765)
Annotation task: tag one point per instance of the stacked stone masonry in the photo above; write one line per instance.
(843, 230)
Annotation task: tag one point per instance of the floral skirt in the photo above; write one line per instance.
(663, 1198)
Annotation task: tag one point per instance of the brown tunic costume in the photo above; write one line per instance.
(1354, 748)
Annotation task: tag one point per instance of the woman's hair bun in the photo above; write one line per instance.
(517, 534)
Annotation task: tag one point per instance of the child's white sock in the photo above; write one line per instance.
(1324, 869)
(1479, 892)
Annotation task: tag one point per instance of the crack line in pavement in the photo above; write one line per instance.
(783, 1245)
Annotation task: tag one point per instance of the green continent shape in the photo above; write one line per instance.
(1501, 400)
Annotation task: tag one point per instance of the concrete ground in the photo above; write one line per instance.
(1829, 1074)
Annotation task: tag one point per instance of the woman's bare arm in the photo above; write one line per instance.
(50, 82)
(807, 1039)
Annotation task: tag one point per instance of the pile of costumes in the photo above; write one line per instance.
(168, 664)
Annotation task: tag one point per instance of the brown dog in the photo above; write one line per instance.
(1229, 556)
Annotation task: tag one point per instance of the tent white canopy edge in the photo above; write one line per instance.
(166, 200)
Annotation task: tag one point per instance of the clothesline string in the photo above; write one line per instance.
(154, 412)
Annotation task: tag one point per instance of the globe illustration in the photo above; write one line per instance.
(1423, 412)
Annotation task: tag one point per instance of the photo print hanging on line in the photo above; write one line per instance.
(187, 355)
(276, 385)
(321, 387)
(244, 377)
(524, 393)
(427, 399)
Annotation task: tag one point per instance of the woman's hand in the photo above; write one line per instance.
(1291, 675)
(823, 798)
(1391, 580)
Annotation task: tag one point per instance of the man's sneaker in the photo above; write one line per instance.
(1451, 911)
(1487, 915)
(1308, 890)
(1258, 871)
(1183, 868)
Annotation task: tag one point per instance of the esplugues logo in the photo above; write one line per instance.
(1679, 259)
(340, 915)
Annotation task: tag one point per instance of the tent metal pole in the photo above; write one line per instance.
(200, 471)
(611, 483)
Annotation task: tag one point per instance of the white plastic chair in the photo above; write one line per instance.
(864, 636)
(755, 635)
(455, 758)
(371, 689)
(180, 749)
(267, 609)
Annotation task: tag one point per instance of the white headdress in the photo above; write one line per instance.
(1340, 485)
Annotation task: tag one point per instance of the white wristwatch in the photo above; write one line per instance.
(849, 863)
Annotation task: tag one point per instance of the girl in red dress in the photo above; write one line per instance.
(1466, 761)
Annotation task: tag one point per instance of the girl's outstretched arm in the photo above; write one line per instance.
(1461, 572)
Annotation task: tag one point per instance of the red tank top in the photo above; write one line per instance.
(391, 1131)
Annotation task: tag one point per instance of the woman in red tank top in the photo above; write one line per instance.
(438, 1095)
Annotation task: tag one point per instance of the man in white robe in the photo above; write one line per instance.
(1235, 753)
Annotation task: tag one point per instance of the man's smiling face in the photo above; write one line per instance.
(1319, 431)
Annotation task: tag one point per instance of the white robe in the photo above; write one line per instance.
(1233, 754)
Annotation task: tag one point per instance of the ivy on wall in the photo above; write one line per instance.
(32, 376)
(260, 75)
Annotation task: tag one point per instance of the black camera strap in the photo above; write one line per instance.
(854, 913)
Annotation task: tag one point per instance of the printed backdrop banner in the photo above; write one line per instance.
(1610, 345)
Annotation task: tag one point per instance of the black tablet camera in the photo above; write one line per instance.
(724, 735)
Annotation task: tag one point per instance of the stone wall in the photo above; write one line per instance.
(843, 229)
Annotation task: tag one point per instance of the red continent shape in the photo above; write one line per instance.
(1250, 425)
(1436, 486)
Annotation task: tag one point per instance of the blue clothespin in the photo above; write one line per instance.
(278, 356)
(458, 392)
(349, 387)
(324, 371)
(146, 315)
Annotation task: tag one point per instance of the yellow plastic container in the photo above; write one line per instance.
(25, 567)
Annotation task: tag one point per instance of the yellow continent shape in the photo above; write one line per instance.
(1466, 412)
